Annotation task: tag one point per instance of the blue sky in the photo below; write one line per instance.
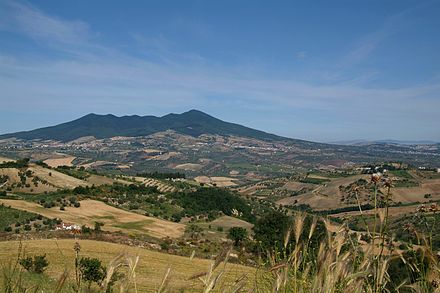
(316, 70)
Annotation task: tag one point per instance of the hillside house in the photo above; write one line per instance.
(67, 227)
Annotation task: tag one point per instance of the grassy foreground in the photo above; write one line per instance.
(150, 270)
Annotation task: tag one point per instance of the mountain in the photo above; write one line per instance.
(361, 142)
(192, 123)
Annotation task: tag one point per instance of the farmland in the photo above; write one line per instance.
(114, 219)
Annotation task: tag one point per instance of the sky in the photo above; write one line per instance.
(316, 70)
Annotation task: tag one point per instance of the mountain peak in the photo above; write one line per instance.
(193, 122)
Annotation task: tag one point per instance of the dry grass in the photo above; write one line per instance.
(414, 194)
(228, 222)
(150, 269)
(63, 161)
(4, 160)
(217, 181)
(56, 178)
(323, 196)
(189, 166)
(114, 219)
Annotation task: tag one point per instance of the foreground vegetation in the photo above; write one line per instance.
(361, 247)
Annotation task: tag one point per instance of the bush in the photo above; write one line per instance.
(91, 270)
(98, 226)
(38, 264)
(8, 229)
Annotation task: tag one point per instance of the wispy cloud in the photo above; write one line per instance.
(98, 78)
(28, 20)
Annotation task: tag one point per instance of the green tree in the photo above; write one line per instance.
(238, 235)
(91, 270)
(270, 229)
(38, 264)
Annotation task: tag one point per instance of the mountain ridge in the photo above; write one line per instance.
(192, 122)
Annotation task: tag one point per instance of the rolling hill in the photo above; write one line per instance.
(193, 123)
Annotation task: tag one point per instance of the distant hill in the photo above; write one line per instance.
(362, 142)
(192, 123)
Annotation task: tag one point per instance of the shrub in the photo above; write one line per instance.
(91, 270)
(38, 264)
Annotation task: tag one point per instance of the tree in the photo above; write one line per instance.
(238, 234)
(98, 226)
(91, 270)
(270, 229)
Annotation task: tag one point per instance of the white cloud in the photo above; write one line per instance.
(28, 20)
(97, 78)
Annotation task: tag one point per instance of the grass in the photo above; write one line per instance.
(139, 226)
(150, 269)
(312, 180)
(406, 183)
(401, 174)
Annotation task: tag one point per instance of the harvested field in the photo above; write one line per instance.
(228, 222)
(323, 197)
(217, 181)
(417, 194)
(163, 157)
(56, 178)
(63, 161)
(102, 180)
(295, 186)
(150, 270)
(189, 167)
(114, 219)
(4, 160)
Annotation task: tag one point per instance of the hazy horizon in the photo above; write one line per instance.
(333, 71)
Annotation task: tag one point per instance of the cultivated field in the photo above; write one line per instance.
(189, 167)
(150, 270)
(416, 194)
(161, 186)
(114, 219)
(56, 178)
(4, 160)
(228, 222)
(63, 161)
(217, 181)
